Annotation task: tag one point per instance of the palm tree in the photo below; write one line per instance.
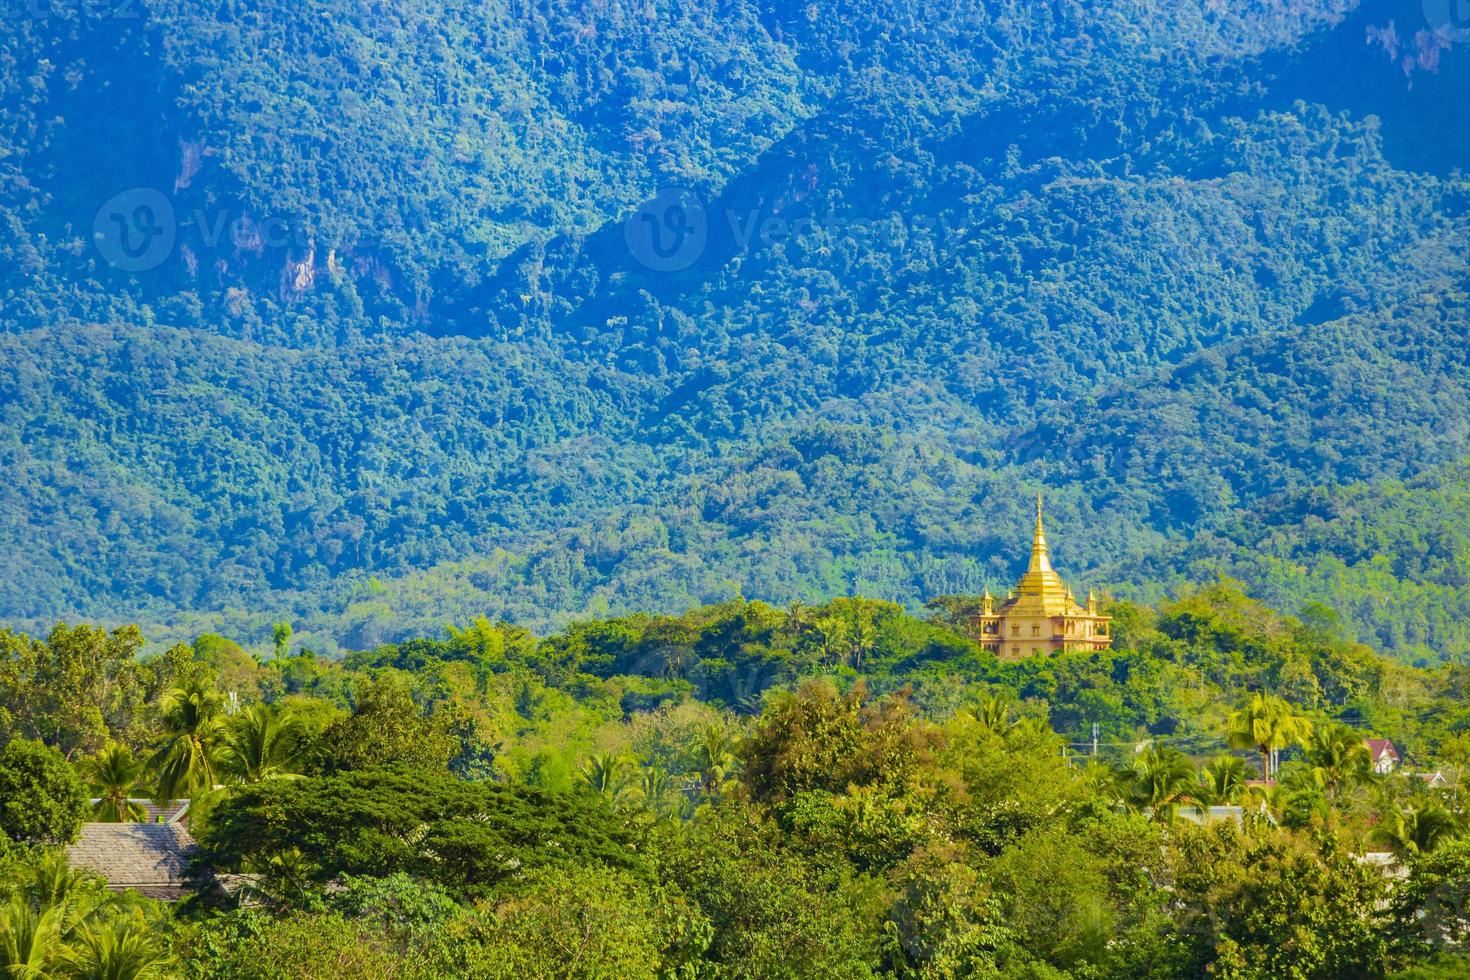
(1161, 778)
(1416, 829)
(1267, 724)
(120, 947)
(1221, 779)
(653, 786)
(1337, 757)
(49, 880)
(46, 905)
(605, 773)
(261, 743)
(114, 775)
(1030, 728)
(715, 757)
(994, 712)
(1106, 781)
(30, 939)
(186, 762)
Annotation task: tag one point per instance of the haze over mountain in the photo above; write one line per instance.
(378, 316)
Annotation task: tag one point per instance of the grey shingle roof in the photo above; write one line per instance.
(148, 857)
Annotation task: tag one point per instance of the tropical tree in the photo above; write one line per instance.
(1222, 779)
(1416, 829)
(1160, 779)
(73, 689)
(994, 712)
(1337, 757)
(116, 947)
(387, 727)
(653, 787)
(115, 775)
(42, 800)
(1267, 724)
(715, 757)
(261, 742)
(1431, 908)
(607, 774)
(48, 903)
(188, 759)
(30, 939)
(281, 639)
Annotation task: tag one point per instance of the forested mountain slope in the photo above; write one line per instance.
(406, 359)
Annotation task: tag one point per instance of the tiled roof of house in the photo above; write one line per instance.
(170, 812)
(1379, 746)
(147, 857)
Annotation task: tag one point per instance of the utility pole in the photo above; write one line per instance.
(1094, 740)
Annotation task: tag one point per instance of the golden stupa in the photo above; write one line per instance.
(1040, 615)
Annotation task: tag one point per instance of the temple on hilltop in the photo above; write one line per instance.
(1040, 615)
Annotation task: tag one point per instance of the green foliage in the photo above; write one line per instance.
(1338, 757)
(116, 776)
(1161, 778)
(59, 923)
(933, 815)
(187, 762)
(1259, 904)
(771, 913)
(1431, 911)
(1268, 724)
(71, 689)
(468, 837)
(1419, 828)
(576, 923)
(401, 367)
(42, 800)
(262, 742)
(254, 947)
(385, 727)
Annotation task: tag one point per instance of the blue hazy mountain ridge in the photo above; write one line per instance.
(1139, 253)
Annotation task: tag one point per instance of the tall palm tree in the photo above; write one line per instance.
(606, 774)
(1161, 778)
(187, 761)
(1221, 779)
(1337, 757)
(261, 743)
(1416, 829)
(1267, 724)
(653, 786)
(1105, 781)
(715, 757)
(994, 712)
(114, 774)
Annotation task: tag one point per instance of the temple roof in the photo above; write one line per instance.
(1041, 591)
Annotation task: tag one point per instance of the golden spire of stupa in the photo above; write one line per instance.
(1040, 562)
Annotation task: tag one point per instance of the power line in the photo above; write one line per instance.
(1154, 738)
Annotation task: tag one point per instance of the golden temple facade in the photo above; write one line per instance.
(1040, 615)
